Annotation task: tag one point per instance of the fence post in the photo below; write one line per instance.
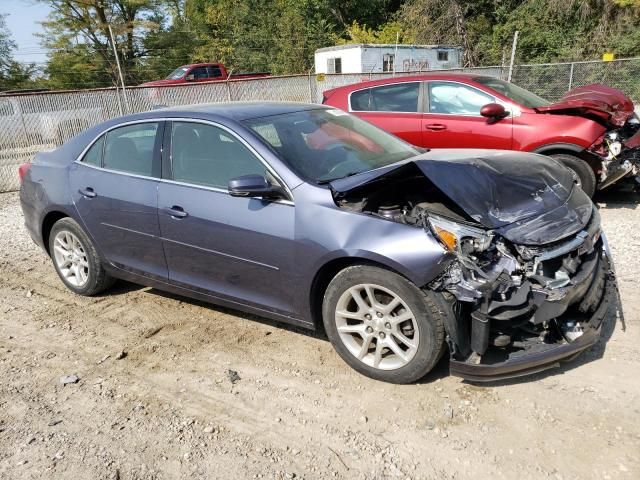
(311, 99)
(229, 85)
(571, 76)
(513, 54)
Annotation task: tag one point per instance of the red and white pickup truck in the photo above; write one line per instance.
(201, 72)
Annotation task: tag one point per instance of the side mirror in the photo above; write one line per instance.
(493, 111)
(253, 186)
(190, 78)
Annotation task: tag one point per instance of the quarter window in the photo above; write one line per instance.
(207, 155)
(94, 154)
(130, 149)
(456, 99)
(401, 97)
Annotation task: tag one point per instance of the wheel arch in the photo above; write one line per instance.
(48, 222)
(572, 149)
(328, 271)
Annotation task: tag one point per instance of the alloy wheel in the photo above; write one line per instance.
(71, 258)
(377, 326)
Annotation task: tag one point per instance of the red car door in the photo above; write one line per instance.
(394, 108)
(452, 118)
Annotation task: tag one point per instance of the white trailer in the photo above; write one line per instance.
(386, 58)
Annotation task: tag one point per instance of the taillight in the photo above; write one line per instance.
(23, 169)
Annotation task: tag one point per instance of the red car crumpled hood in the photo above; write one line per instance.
(605, 104)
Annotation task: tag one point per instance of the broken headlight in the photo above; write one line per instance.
(613, 144)
(457, 237)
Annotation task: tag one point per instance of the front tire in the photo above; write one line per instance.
(76, 260)
(586, 176)
(382, 325)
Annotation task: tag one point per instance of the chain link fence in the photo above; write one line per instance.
(552, 81)
(39, 121)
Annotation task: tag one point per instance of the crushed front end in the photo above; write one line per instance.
(522, 309)
(526, 273)
(619, 153)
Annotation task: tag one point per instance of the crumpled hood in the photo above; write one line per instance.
(529, 199)
(608, 105)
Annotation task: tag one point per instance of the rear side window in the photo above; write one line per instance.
(130, 149)
(94, 154)
(207, 155)
(456, 99)
(402, 97)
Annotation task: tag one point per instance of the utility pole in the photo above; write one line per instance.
(395, 55)
(115, 52)
(513, 54)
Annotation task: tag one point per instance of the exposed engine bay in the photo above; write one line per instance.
(619, 150)
(507, 298)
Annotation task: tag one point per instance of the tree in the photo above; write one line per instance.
(77, 34)
(13, 75)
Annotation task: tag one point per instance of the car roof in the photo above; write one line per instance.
(410, 78)
(230, 110)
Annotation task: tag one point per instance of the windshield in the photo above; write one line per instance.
(514, 92)
(324, 145)
(178, 73)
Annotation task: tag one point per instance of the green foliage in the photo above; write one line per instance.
(389, 32)
(550, 30)
(153, 37)
(13, 75)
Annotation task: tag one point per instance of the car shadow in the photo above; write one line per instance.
(238, 313)
(618, 196)
(614, 315)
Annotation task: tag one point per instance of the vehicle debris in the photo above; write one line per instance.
(233, 376)
(69, 379)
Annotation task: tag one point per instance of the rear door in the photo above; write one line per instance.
(235, 248)
(394, 108)
(452, 118)
(114, 188)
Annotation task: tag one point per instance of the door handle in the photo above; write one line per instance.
(87, 192)
(436, 127)
(176, 212)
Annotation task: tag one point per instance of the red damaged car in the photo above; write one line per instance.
(593, 130)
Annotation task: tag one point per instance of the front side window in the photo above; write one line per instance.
(513, 92)
(456, 99)
(199, 73)
(326, 144)
(401, 97)
(206, 155)
(94, 154)
(130, 149)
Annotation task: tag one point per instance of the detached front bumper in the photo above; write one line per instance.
(539, 354)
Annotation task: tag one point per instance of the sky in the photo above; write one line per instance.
(22, 19)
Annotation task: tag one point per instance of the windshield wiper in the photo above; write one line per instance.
(329, 180)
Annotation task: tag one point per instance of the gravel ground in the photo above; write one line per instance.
(155, 398)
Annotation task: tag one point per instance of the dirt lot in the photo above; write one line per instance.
(168, 409)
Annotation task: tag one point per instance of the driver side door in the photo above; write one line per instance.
(235, 248)
(452, 118)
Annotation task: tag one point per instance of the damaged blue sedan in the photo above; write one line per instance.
(307, 215)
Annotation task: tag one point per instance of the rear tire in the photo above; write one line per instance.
(398, 337)
(582, 169)
(76, 260)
